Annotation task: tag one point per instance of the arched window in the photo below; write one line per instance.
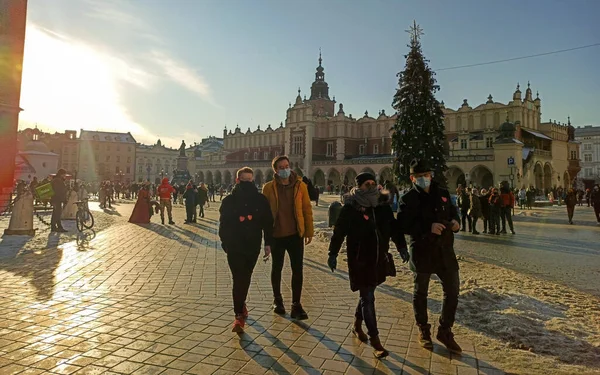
(255, 155)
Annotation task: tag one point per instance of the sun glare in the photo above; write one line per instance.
(69, 85)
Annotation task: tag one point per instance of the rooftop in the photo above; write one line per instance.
(88, 135)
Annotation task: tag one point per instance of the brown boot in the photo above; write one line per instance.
(446, 337)
(379, 351)
(358, 331)
(425, 336)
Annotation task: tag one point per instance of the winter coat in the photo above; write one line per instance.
(165, 189)
(202, 196)
(60, 191)
(190, 197)
(475, 210)
(495, 203)
(508, 198)
(418, 210)
(595, 198)
(484, 200)
(463, 202)
(302, 206)
(367, 232)
(571, 199)
(245, 216)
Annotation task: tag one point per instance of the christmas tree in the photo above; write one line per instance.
(419, 129)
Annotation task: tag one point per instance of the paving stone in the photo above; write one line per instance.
(157, 300)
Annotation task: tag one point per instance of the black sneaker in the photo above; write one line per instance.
(278, 307)
(298, 312)
(446, 337)
(425, 336)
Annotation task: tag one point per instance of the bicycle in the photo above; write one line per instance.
(83, 218)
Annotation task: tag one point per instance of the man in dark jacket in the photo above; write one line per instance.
(245, 216)
(595, 198)
(464, 204)
(58, 199)
(428, 216)
(190, 202)
(508, 202)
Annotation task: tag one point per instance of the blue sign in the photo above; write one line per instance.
(511, 161)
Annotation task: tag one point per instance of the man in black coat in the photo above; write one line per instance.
(58, 199)
(245, 216)
(427, 215)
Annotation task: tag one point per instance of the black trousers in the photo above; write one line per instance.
(241, 263)
(570, 212)
(465, 217)
(506, 215)
(190, 211)
(55, 222)
(201, 210)
(494, 222)
(294, 245)
(597, 211)
(450, 287)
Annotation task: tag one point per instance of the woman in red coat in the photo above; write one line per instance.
(141, 211)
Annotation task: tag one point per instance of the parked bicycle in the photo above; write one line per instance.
(84, 217)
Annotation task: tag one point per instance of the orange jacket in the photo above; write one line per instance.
(165, 189)
(302, 206)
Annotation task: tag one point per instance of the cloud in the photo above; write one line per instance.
(123, 14)
(185, 76)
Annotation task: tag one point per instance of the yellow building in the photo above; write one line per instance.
(496, 142)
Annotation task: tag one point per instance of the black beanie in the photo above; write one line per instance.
(365, 176)
(419, 166)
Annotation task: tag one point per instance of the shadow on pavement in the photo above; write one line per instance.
(275, 342)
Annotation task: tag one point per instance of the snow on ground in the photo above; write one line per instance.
(521, 322)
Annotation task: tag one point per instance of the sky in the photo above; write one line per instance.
(185, 69)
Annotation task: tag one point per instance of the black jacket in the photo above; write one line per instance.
(245, 216)
(463, 202)
(60, 190)
(418, 210)
(367, 233)
(485, 205)
(190, 197)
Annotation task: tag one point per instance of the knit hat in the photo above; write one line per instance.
(365, 176)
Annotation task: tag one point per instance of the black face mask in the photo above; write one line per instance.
(247, 186)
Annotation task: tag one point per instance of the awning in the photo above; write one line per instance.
(537, 135)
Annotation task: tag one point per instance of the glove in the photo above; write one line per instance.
(404, 255)
(332, 262)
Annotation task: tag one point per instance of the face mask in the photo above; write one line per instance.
(423, 182)
(246, 185)
(284, 173)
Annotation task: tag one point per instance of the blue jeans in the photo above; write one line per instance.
(366, 310)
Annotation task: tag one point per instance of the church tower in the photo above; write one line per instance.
(319, 93)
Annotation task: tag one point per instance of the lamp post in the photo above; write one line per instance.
(148, 169)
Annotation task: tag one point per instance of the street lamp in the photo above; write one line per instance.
(148, 169)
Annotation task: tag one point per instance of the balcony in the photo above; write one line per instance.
(471, 155)
(542, 153)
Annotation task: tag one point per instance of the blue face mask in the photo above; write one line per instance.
(423, 182)
(284, 173)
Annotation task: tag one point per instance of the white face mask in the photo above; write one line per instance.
(284, 173)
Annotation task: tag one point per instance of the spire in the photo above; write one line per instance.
(320, 59)
(319, 88)
(490, 99)
(298, 98)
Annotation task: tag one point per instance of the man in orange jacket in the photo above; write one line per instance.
(293, 229)
(164, 191)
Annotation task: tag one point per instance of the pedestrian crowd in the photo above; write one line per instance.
(281, 218)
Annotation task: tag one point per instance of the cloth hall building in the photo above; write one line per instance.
(331, 147)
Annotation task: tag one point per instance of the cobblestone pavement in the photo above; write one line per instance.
(153, 299)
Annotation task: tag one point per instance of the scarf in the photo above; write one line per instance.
(364, 199)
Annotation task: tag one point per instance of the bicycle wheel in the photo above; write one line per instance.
(89, 219)
(79, 221)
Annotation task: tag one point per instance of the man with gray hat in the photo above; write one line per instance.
(428, 217)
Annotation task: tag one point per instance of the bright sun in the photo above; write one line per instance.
(68, 85)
